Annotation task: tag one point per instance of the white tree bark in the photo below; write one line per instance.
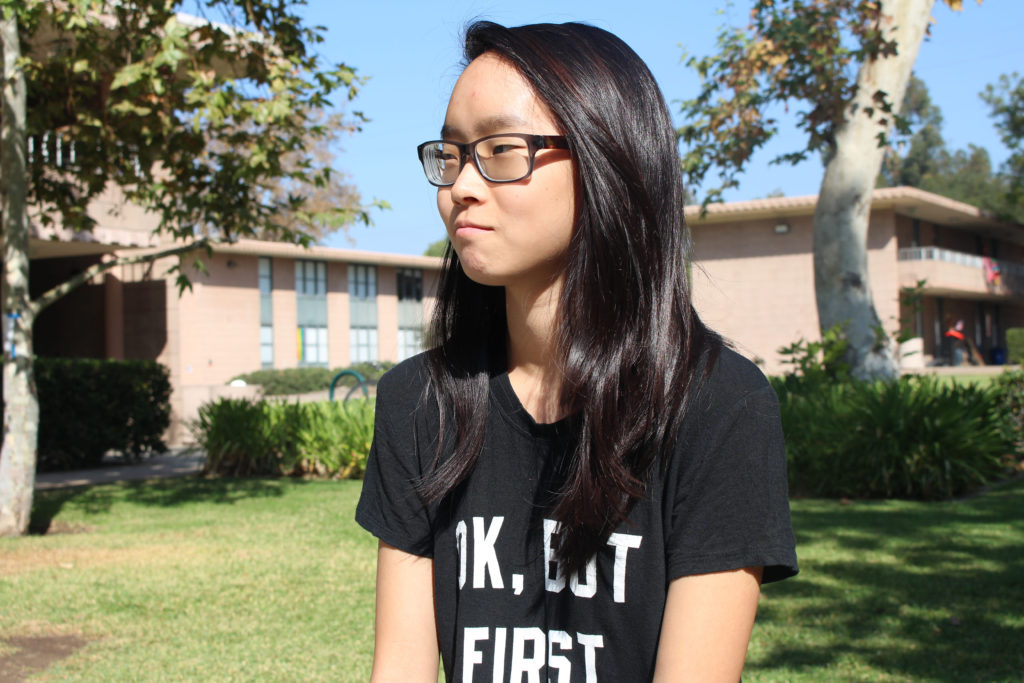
(841, 282)
(21, 406)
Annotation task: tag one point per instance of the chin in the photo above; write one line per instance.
(482, 277)
(477, 271)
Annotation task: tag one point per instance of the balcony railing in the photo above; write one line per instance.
(1006, 268)
(56, 150)
(51, 149)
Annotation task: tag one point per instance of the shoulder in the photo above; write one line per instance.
(411, 370)
(731, 380)
(732, 397)
(725, 486)
(403, 388)
(409, 376)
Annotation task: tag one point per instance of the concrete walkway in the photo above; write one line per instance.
(177, 462)
(962, 370)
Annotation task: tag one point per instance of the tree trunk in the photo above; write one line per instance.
(841, 281)
(21, 406)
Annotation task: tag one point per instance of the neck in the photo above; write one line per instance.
(533, 369)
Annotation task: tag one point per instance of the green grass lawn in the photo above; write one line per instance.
(199, 580)
(272, 580)
(899, 591)
(978, 380)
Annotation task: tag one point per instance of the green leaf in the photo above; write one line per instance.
(125, 107)
(128, 75)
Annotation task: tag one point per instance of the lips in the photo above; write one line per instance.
(470, 228)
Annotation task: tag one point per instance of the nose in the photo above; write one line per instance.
(468, 183)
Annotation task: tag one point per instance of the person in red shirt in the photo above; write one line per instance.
(958, 342)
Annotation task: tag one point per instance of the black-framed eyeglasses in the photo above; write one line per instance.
(501, 158)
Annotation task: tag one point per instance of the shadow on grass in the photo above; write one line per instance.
(154, 492)
(936, 591)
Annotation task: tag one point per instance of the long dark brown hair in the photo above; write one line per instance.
(632, 349)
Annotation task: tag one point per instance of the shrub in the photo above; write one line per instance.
(371, 371)
(247, 438)
(1015, 345)
(278, 438)
(1009, 388)
(335, 439)
(817, 363)
(289, 380)
(88, 407)
(278, 382)
(912, 438)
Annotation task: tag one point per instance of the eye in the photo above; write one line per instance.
(501, 146)
(445, 155)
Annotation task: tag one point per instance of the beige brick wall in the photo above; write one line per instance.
(212, 332)
(387, 313)
(282, 296)
(756, 287)
(220, 321)
(337, 314)
(883, 269)
(222, 313)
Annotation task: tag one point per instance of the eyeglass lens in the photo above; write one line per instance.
(497, 158)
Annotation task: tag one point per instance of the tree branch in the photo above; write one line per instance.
(41, 302)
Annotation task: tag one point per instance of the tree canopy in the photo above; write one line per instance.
(842, 67)
(922, 158)
(218, 127)
(1006, 101)
(794, 55)
(917, 150)
(437, 248)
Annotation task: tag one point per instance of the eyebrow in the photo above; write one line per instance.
(491, 124)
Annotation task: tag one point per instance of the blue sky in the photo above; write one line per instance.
(410, 50)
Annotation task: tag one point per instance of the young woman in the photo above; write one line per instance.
(578, 482)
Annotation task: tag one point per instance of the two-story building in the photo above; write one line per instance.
(255, 305)
(754, 273)
(272, 305)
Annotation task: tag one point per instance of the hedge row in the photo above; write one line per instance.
(279, 382)
(88, 407)
(244, 438)
(912, 438)
(1015, 345)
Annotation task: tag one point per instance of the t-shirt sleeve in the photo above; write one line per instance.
(727, 499)
(390, 507)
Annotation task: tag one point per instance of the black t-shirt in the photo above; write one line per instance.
(505, 612)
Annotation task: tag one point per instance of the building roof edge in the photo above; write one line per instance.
(286, 250)
(906, 200)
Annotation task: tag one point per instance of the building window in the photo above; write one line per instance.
(311, 278)
(266, 278)
(312, 345)
(267, 346)
(363, 344)
(362, 282)
(362, 297)
(311, 311)
(410, 312)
